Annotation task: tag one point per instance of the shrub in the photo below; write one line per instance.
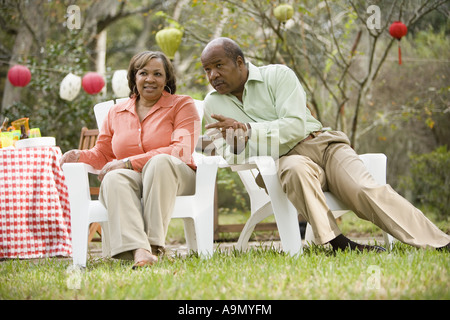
(429, 180)
(232, 194)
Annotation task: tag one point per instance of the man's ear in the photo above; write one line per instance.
(240, 62)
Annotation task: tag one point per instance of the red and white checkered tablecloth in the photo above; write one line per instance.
(34, 204)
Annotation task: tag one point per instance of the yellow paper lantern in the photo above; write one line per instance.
(169, 40)
(283, 12)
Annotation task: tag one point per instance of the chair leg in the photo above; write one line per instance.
(79, 239)
(309, 235)
(78, 187)
(287, 223)
(285, 213)
(106, 246)
(204, 230)
(254, 219)
(190, 233)
(199, 235)
(388, 240)
(93, 229)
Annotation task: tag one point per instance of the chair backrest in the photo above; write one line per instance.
(376, 165)
(88, 137)
(101, 111)
(199, 106)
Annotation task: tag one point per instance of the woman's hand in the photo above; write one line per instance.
(70, 156)
(113, 165)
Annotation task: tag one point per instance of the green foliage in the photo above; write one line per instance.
(260, 274)
(232, 194)
(316, 43)
(429, 180)
(41, 102)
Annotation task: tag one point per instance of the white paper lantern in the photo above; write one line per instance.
(120, 84)
(70, 87)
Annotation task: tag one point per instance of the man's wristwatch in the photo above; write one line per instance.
(127, 163)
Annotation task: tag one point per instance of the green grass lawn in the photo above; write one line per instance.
(267, 274)
(405, 273)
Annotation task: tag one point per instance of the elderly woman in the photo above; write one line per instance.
(144, 151)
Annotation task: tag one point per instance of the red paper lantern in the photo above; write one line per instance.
(19, 76)
(398, 30)
(93, 82)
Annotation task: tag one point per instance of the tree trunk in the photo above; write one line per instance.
(100, 61)
(31, 30)
(22, 46)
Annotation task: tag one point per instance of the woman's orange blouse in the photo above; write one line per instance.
(172, 126)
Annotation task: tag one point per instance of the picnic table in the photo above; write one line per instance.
(34, 205)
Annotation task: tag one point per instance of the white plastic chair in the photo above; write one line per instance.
(197, 211)
(275, 201)
(376, 165)
(264, 204)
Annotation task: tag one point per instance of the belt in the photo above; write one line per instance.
(312, 135)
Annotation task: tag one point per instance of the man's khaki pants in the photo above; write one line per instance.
(140, 205)
(327, 162)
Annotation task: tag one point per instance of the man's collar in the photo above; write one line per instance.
(253, 73)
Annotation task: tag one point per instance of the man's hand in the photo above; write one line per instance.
(234, 132)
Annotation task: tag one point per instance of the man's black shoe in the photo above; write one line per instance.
(302, 225)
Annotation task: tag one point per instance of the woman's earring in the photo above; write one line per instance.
(168, 89)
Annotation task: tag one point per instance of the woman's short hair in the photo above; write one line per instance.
(140, 60)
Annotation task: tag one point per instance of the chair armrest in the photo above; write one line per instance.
(77, 180)
(90, 169)
(200, 158)
(207, 169)
(265, 164)
(205, 145)
(206, 178)
(76, 174)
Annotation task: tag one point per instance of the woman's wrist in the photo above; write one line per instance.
(127, 163)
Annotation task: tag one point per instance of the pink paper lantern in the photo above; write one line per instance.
(93, 82)
(19, 76)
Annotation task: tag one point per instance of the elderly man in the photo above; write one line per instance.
(251, 102)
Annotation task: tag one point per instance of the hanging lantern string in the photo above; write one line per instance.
(38, 68)
(45, 69)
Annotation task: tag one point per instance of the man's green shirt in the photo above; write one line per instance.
(274, 104)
